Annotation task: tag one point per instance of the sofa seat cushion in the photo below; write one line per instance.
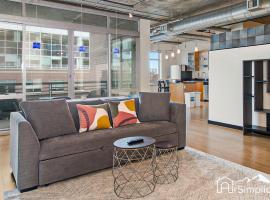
(93, 140)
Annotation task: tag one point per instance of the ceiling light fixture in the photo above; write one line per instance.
(166, 57)
(178, 51)
(82, 48)
(196, 49)
(36, 44)
(172, 54)
(130, 15)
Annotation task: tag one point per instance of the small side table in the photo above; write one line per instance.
(167, 162)
(134, 167)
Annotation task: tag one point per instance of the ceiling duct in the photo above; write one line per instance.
(227, 15)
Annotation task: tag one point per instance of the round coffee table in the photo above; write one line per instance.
(134, 167)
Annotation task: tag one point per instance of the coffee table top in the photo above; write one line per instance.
(165, 145)
(123, 142)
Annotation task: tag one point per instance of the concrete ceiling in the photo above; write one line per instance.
(159, 10)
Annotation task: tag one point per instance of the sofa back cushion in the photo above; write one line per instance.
(49, 118)
(74, 111)
(154, 106)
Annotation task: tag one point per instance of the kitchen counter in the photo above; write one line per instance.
(178, 90)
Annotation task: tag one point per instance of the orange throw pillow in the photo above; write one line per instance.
(123, 113)
(93, 117)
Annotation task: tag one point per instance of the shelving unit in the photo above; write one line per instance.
(257, 82)
(193, 61)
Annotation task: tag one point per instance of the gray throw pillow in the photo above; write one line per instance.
(49, 118)
(154, 106)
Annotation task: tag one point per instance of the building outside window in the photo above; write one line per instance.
(46, 71)
(154, 67)
(123, 66)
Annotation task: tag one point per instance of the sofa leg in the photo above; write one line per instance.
(28, 189)
(12, 176)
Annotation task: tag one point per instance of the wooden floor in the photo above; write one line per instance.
(229, 144)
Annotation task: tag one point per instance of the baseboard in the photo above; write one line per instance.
(225, 125)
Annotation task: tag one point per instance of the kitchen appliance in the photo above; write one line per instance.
(176, 74)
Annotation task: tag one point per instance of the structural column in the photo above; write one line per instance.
(143, 50)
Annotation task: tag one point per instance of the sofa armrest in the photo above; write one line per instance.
(24, 152)
(178, 116)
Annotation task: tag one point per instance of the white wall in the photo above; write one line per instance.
(226, 82)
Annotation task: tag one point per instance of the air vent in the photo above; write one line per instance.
(253, 5)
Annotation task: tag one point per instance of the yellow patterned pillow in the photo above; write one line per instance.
(93, 117)
(123, 113)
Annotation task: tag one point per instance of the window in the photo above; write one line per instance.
(91, 65)
(53, 53)
(82, 51)
(10, 46)
(47, 67)
(154, 67)
(123, 66)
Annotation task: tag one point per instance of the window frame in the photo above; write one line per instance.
(159, 67)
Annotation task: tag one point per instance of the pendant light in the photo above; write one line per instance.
(172, 54)
(82, 48)
(166, 56)
(36, 44)
(178, 51)
(116, 50)
(196, 49)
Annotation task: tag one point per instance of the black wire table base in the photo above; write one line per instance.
(167, 164)
(134, 172)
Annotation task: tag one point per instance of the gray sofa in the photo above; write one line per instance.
(36, 162)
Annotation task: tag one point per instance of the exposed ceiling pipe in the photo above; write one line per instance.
(164, 37)
(218, 29)
(194, 37)
(227, 15)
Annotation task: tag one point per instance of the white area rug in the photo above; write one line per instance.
(198, 176)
